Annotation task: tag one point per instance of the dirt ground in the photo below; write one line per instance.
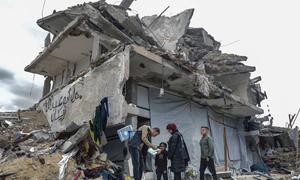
(34, 168)
(42, 167)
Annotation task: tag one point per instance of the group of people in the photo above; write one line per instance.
(175, 150)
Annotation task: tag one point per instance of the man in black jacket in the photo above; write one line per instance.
(161, 162)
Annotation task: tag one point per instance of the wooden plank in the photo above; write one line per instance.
(225, 150)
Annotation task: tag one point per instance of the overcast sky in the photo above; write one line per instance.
(267, 31)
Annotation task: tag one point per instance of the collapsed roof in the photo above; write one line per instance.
(171, 39)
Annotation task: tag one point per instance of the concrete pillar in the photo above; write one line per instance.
(131, 91)
(47, 85)
(96, 52)
(131, 97)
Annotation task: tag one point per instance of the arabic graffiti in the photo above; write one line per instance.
(58, 113)
(56, 106)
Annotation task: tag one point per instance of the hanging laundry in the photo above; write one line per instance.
(99, 122)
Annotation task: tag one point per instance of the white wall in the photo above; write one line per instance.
(76, 102)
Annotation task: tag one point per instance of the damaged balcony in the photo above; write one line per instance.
(70, 46)
(71, 53)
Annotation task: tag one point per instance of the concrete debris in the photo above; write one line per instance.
(202, 83)
(196, 43)
(1, 153)
(219, 63)
(205, 87)
(3, 141)
(8, 116)
(6, 174)
(39, 154)
(8, 123)
(74, 140)
(217, 56)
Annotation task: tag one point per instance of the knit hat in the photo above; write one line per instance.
(171, 126)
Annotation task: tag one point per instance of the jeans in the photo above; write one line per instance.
(160, 173)
(137, 162)
(211, 167)
(177, 175)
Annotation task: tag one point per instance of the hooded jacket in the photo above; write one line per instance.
(177, 152)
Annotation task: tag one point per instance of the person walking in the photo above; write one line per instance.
(136, 144)
(177, 151)
(207, 154)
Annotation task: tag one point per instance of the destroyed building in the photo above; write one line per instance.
(153, 70)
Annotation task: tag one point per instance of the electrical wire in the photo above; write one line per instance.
(43, 7)
(230, 43)
(32, 85)
(163, 74)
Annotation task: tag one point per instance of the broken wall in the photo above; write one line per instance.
(77, 101)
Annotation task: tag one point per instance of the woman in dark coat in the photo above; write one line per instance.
(177, 153)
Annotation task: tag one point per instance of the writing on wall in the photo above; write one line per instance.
(57, 104)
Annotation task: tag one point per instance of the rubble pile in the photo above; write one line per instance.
(279, 149)
(196, 43)
(30, 150)
(281, 160)
(222, 63)
(26, 121)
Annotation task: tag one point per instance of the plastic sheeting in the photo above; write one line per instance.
(64, 162)
(236, 142)
(189, 117)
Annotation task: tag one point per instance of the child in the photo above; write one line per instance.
(161, 162)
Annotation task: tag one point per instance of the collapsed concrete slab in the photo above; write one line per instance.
(168, 30)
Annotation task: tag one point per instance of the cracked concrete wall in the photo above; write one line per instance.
(71, 70)
(77, 101)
